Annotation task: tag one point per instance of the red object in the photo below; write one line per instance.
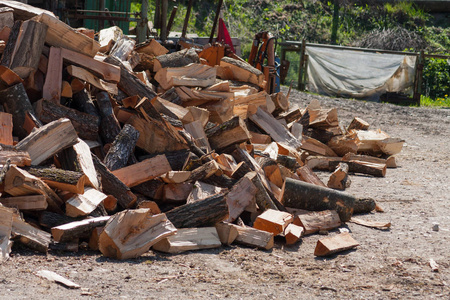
(223, 35)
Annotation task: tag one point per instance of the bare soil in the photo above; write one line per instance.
(391, 264)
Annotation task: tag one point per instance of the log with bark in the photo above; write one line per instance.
(175, 59)
(63, 180)
(122, 147)
(77, 229)
(233, 131)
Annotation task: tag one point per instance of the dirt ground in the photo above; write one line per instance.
(391, 264)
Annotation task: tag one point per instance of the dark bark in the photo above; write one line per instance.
(122, 148)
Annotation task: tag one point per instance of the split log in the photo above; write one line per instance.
(153, 189)
(299, 194)
(21, 183)
(49, 219)
(234, 69)
(227, 232)
(323, 118)
(105, 71)
(83, 102)
(28, 203)
(355, 166)
(202, 213)
(262, 198)
(152, 47)
(130, 83)
(339, 178)
(358, 124)
(78, 229)
(193, 75)
(48, 140)
(10, 46)
(273, 221)
(109, 126)
(314, 146)
(6, 17)
(219, 111)
(271, 170)
(281, 102)
(113, 185)
(307, 175)
(85, 125)
(195, 129)
(258, 138)
(293, 115)
(131, 233)
(62, 35)
(188, 239)
(29, 235)
(143, 171)
(253, 237)
(343, 144)
(391, 162)
(66, 90)
(15, 101)
(121, 149)
(177, 192)
(63, 180)
(321, 162)
(240, 170)
(175, 59)
(292, 233)
(85, 203)
(172, 110)
(9, 77)
(335, 244)
(277, 131)
(202, 190)
(6, 128)
(241, 197)
(108, 36)
(6, 217)
(53, 277)
(233, 131)
(90, 78)
(259, 99)
(79, 158)
(316, 221)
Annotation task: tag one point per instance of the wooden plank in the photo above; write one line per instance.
(48, 140)
(188, 239)
(53, 79)
(131, 233)
(335, 244)
(143, 171)
(62, 35)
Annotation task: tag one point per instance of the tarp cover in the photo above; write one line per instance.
(349, 73)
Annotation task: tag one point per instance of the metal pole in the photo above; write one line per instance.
(216, 19)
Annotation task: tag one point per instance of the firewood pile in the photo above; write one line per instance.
(121, 147)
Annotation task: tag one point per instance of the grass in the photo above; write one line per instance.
(437, 103)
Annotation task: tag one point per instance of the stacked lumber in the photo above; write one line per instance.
(131, 147)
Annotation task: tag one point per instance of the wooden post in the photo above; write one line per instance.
(157, 19)
(164, 6)
(300, 85)
(283, 58)
(142, 26)
(171, 19)
(418, 77)
(216, 19)
(186, 18)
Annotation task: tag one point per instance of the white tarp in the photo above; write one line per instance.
(349, 73)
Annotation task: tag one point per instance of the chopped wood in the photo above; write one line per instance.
(343, 144)
(241, 197)
(29, 235)
(87, 76)
(122, 147)
(9, 77)
(175, 59)
(177, 192)
(433, 265)
(194, 75)
(273, 221)
(204, 171)
(358, 124)
(391, 162)
(303, 195)
(84, 203)
(316, 221)
(131, 233)
(85, 124)
(292, 233)
(46, 141)
(153, 47)
(53, 78)
(277, 131)
(195, 129)
(339, 179)
(93, 239)
(321, 162)
(6, 128)
(271, 170)
(143, 171)
(371, 224)
(188, 239)
(16, 102)
(307, 175)
(202, 191)
(29, 203)
(259, 99)
(6, 219)
(175, 176)
(316, 147)
(262, 197)
(369, 168)
(335, 244)
(253, 237)
(227, 232)
(233, 131)
(52, 276)
(64, 180)
(239, 70)
(77, 229)
(108, 36)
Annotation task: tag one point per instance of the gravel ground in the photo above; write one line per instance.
(391, 264)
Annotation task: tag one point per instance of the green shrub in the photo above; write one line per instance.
(436, 78)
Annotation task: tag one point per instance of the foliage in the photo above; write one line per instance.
(436, 78)
(438, 102)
